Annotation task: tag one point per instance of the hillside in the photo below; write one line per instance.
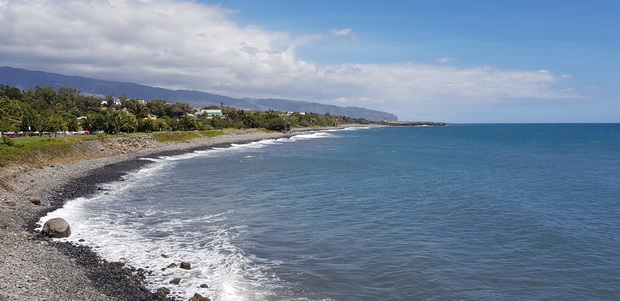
(27, 79)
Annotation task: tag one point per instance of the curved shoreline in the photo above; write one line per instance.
(35, 268)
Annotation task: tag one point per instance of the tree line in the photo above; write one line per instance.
(44, 109)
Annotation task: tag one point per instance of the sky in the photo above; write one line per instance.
(476, 61)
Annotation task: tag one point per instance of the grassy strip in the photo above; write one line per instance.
(175, 136)
(32, 149)
(212, 133)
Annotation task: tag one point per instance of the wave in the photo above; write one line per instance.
(120, 225)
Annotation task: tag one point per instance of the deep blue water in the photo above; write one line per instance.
(467, 212)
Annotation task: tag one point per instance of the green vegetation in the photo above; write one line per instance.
(212, 133)
(175, 136)
(43, 111)
(34, 149)
(8, 141)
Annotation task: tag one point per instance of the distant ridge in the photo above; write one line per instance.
(27, 79)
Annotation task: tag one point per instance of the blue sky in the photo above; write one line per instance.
(454, 61)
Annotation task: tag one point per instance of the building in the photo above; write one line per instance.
(210, 113)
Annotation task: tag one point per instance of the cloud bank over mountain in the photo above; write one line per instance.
(188, 45)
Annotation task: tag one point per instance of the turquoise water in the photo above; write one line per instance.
(469, 212)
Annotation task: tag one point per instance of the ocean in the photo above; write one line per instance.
(462, 212)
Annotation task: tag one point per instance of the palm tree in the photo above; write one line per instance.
(137, 109)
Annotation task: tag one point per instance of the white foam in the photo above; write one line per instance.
(356, 128)
(313, 135)
(139, 236)
(230, 274)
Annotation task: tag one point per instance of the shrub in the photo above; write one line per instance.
(7, 140)
(101, 136)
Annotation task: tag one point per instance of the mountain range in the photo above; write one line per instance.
(28, 79)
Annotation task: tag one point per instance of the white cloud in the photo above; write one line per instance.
(182, 44)
(444, 60)
(341, 32)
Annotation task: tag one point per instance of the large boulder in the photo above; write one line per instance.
(175, 281)
(57, 228)
(186, 265)
(198, 297)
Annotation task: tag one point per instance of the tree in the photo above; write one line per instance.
(146, 125)
(47, 94)
(39, 99)
(189, 123)
(136, 108)
(109, 101)
(10, 114)
(72, 124)
(30, 119)
(157, 107)
(67, 97)
(96, 121)
(89, 123)
(130, 123)
(53, 123)
(10, 92)
(87, 103)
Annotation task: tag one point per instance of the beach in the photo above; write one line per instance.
(33, 267)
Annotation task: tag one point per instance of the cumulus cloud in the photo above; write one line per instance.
(188, 45)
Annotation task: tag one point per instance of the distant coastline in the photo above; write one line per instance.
(413, 123)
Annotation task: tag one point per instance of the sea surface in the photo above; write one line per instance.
(462, 212)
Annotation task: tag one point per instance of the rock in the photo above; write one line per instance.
(175, 281)
(57, 228)
(172, 265)
(36, 201)
(165, 256)
(198, 297)
(118, 264)
(2, 298)
(163, 290)
(186, 265)
(204, 285)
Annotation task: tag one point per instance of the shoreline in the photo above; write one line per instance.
(34, 267)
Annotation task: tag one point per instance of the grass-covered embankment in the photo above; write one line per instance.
(44, 149)
(184, 136)
(33, 150)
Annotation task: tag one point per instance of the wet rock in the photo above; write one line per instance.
(163, 290)
(118, 264)
(186, 265)
(172, 265)
(204, 285)
(198, 297)
(165, 256)
(175, 281)
(57, 228)
(141, 273)
(2, 298)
